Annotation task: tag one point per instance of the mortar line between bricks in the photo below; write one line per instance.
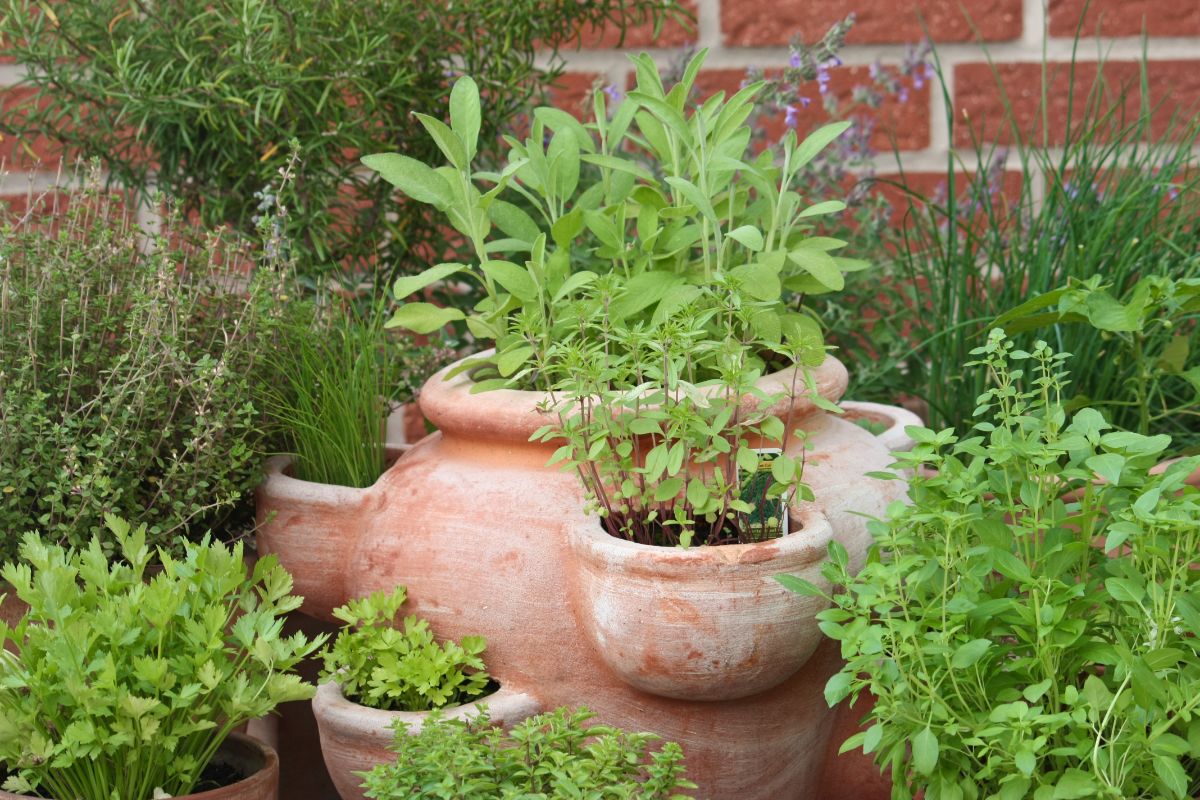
(1034, 21)
(1057, 49)
(708, 24)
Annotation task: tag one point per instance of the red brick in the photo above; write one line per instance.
(1125, 17)
(907, 122)
(24, 153)
(754, 24)
(1174, 88)
(572, 91)
(673, 34)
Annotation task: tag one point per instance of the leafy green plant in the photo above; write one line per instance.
(667, 458)
(201, 98)
(1149, 334)
(1028, 622)
(1118, 200)
(639, 221)
(117, 683)
(547, 756)
(380, 666)
(132, 374)
(599, 213)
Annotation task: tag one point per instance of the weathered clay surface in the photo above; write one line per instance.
(479, 529)
(706, 623)
(245, 754)
(308, 526)
(355, 738)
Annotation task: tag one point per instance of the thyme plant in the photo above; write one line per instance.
(133, 374)
(1028, 622)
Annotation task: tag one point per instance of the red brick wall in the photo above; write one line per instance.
(1014, 35)
(743, 33)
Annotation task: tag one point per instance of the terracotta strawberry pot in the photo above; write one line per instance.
(355, 738)
(302, 523)
(480, 530)
(246, 756)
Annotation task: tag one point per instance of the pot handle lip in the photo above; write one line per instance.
(508, 703)
(899, 418)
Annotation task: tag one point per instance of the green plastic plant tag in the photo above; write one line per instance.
(770, 513)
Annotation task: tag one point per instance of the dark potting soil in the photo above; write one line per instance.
(218, 776)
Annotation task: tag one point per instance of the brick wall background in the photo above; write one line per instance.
(745, 33)
(1015, 34)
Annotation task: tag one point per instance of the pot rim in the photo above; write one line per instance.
(514, 415)
(803, 546)
(278, 483)
(250, 786)
(331, 705)
(898, 417)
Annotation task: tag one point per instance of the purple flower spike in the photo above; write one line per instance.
(834, 61)
(805, 102)
(823, 80)
(903, 95)
(614, 94)
(874, 70)
(791, 118)
(1173, 193)
(795, 61)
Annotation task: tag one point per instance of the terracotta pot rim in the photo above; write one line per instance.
(898, 418)
(280, 483)
(330, 704)
(513, 415)
(802, 546)
(252, 786)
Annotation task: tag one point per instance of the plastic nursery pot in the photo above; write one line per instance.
(246, 756)
(703, 623)
(303, 523)
(355, 738)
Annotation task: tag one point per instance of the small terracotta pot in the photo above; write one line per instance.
(356, 738)
(303, 524)
(703, 623)
(248, 756)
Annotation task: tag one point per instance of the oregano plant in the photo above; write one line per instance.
(552, 755)
(1028, 622)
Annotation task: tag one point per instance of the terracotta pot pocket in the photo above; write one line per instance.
(705, 623)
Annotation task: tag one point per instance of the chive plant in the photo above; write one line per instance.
(1119, 202)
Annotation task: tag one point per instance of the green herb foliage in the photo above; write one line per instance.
(117, 684)
(708, 224)
(651, 297)
(1150, 331)
(333, 401)
(1120, 201)
(381, 666)
(132, 372)
(665, 457)
(201, 97)
(552, 755)
(1028, 622)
